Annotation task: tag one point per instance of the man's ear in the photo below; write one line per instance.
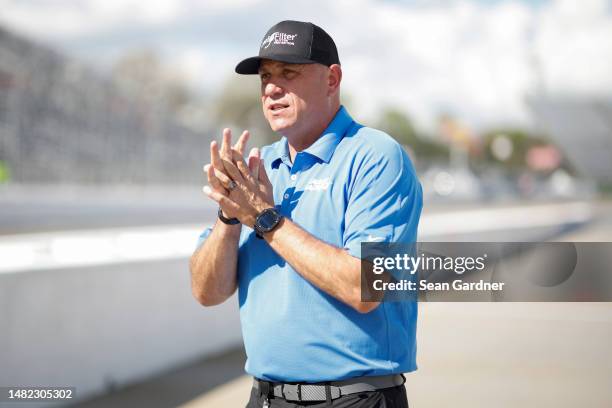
(334, 78)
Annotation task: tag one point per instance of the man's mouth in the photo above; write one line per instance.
(277, 107)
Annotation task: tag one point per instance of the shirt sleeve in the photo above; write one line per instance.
(385, 201)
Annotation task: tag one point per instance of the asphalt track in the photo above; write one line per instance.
(45, 208)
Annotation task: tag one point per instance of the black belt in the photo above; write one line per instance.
(329, 390)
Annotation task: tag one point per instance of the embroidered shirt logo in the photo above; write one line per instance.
(278, 38)
(318, 184)
(372, 238)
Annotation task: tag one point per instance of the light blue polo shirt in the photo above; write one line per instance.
(353, 184)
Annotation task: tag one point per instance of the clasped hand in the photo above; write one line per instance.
(242, 190)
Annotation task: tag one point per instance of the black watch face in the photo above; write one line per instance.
(268, 220)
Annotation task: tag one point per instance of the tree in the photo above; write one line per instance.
(400, 127)
(520, 142)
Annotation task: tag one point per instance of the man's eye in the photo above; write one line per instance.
(289, 74)
(264, 77)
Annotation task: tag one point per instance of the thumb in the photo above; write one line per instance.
(254, 160)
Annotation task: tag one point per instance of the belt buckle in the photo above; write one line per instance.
(291, 392)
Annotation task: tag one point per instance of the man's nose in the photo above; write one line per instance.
(272, 88)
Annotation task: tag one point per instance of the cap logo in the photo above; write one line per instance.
(278, 38)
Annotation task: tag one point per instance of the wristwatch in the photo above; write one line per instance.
(266, 221)
(225, 220)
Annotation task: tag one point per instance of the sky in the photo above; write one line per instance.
(475, 59)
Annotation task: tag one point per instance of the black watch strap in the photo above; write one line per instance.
(225, 220)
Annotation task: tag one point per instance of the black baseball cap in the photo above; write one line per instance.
(295, 42)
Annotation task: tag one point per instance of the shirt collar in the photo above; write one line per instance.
(281, 154)
(324, 146)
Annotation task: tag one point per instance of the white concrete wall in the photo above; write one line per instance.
(95, 327)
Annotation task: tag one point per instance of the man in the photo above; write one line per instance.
(291, 221)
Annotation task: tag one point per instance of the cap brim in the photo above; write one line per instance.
(250, 66)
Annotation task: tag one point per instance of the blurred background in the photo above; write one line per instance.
(107, 109)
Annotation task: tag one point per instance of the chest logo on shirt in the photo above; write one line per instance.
(318, 184)
(372, 238)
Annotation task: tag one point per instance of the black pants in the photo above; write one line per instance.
(394, 397)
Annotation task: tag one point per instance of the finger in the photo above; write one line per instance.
(242, 166)
(212, 194)
(226, 147)
(254, 159)
(225, 181)
(214, 181)
(224, 202)
(263, 176)
(232, 171)
(241, 143)
(215, 157)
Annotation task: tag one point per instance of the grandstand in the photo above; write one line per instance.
(63, 122)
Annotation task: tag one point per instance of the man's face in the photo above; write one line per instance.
(294, 96)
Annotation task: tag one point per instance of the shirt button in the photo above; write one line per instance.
(286, 196)
(293, 176)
